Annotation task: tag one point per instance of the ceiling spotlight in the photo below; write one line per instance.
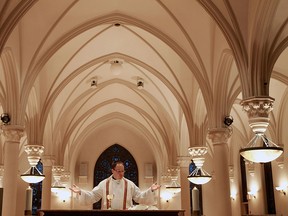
(93, 83)
(5, 118)
(116, 66)
(140, 83)
(228, 120)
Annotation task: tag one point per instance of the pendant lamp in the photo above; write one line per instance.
(57, 185)
(174, 187)
(198, 176)
(261, 150)
(33, 175)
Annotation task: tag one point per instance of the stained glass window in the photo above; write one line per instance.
(37, 191)
(102, 168)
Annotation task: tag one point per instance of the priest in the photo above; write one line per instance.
(116, 191)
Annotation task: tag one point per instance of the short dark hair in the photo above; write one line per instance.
(114, 164)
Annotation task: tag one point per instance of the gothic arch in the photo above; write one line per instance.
(102, 168)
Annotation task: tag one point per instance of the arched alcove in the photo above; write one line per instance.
(102, 168)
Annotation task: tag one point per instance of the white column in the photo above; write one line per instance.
(185, 190)
(48, 162)
(12, 134)
(219, 137)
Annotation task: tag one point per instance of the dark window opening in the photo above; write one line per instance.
(102, 168)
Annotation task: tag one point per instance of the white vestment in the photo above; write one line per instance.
(117, 188)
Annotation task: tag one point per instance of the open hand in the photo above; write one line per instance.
(75, 189)
(155, 186)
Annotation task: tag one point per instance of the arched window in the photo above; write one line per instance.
(102, 168)
(37, 191)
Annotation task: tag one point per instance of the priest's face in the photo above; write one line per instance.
(118, 171)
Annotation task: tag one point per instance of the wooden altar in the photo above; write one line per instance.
(111, 213)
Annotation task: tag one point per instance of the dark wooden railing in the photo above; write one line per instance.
(111, 213)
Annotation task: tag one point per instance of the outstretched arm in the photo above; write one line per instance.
(75, 189)
(87, 197)
(155, 187)
(146, 197)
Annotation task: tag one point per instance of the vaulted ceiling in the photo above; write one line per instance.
(195, 58)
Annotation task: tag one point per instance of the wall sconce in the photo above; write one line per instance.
(233, 196)
(282, 189)
(251, 195)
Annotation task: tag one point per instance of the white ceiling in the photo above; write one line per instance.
(184, 57)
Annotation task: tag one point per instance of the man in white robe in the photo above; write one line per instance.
(121, 190)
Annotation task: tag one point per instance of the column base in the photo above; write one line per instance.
(196, 213)
(28, 213)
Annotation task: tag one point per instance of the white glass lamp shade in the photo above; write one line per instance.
(199, 176)
(57, 188)
(261, 154)
(199, 179)
(261, 150)
(32, 176)
(174, 187)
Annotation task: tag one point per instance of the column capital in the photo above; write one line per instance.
(258, 106)
(12, 133)
(258, 109)
(65, 177)
(58, 169)
(34, 153)
(183, 161)
(219, 135)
